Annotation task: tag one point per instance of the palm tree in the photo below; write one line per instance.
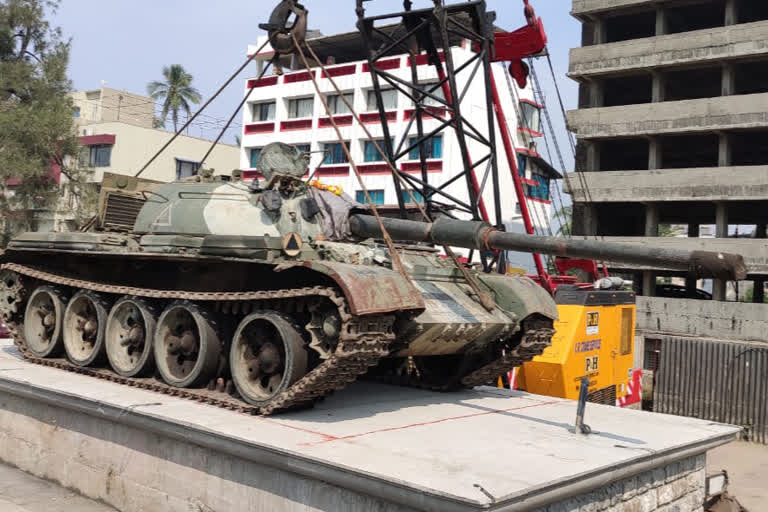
(176, 93)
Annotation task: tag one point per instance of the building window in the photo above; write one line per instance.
(531, 116)
(304, 148)
(541, 190)
(371, 154)
(336, 103)
(264, 111)
(98, 156)
(388, 97)
(434, 148)
(522, 165)
(334, 154)
(76, 112)
(377, 196)
(438, 93)
(186, 168)
(406, 195)
(255, 152)
(301, 107)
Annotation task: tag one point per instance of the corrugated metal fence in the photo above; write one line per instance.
(720, 381)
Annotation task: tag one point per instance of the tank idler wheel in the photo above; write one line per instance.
(85, 320)
(130, 329)
(43, 320)
(268, 356)
(186, 346)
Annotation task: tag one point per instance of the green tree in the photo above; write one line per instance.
(564, 219)
(36, 117)
(176, 93)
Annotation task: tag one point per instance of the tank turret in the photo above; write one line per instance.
(482, 236)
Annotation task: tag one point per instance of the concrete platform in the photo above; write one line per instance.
(369, 447)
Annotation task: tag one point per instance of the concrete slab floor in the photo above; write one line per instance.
(747, 465)
(21, 492)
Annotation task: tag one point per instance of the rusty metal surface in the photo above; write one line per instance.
(370, 289)
(716, 380)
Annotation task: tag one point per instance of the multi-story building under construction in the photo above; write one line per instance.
(672, 128)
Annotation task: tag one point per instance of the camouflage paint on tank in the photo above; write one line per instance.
(228, 209)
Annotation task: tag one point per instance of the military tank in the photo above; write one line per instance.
(265, 296)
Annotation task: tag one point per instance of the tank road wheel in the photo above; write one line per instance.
(83, 330)
(267, 357)
(43, 320)
(186, 346)
(130, 327)
(11, 295)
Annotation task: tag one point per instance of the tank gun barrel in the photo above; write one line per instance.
(482, 236)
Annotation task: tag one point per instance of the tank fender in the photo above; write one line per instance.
(520, 295)
(368, 289)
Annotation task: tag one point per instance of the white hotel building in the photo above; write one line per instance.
(286, 109)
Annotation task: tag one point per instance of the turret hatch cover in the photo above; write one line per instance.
(279, 159)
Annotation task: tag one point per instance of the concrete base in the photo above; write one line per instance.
(369, 447)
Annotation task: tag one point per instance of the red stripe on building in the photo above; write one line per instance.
(532, 133)
(302, 76)
(334, 171)
(423, 59)
(383, 65)
(299, 124)
(374, 168)
(252, 174)
(433, 112)
(325, 122)
(536, 199)
(259, 128)
(340, 71)
(373, 117)
(264, 82)
(415, 167)
(97, 140)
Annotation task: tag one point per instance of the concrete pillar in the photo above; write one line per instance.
(724, 153)
(661, 21)
(658, 84)
(652, 220)
(590, 220)
(721, 231)
(691, 283)
(721, 220)
(600, 33)
(593, 156)
(731, 12)
(649, 283)
(655, 156)
(758, 291)
(728, 86)
(596, 94)
(651, 229)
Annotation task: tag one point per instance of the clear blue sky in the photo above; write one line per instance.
(126, 43)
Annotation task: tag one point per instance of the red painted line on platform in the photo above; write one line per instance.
(426, 423)
(326, 437)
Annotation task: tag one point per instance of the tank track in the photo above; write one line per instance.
(363, 342)
(537, 336)
(533, 343)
